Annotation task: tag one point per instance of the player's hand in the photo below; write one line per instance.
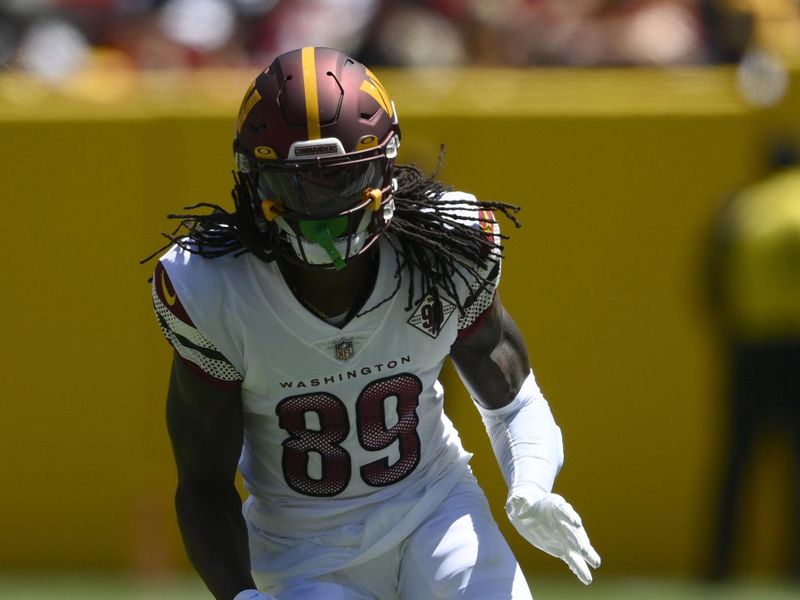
(253, 595)
(552, 525)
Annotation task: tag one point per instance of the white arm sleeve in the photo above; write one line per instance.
(526, 441)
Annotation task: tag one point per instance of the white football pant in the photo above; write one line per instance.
(457, 553)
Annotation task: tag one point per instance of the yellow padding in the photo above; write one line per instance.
(271, 209)
(375, 196)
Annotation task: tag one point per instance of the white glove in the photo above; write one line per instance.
(552, 525)
(253, 595)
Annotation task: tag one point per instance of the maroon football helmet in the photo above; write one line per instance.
(317, 136)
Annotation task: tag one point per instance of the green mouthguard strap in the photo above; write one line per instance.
(323, 232)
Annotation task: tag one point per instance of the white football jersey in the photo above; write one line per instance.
(346, 442)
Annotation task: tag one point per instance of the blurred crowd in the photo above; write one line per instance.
(54, 38)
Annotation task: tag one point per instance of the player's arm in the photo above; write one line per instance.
(491, 358)
(205, 428)
(492, 361)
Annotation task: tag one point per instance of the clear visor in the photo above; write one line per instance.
(322, 191)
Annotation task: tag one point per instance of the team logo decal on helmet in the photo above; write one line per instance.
(316, 137)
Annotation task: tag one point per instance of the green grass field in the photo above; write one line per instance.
(86, 587)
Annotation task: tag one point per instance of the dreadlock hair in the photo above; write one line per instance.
(429, 237)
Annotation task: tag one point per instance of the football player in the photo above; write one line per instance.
(309, 327)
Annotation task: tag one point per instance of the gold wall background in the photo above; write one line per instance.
(618, 174)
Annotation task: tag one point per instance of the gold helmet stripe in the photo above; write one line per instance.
(251, 98)
(310, 89)
(374, 88)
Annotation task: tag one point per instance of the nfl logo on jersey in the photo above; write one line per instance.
(344, 349)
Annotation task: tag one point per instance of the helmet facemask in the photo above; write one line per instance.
(330, 209)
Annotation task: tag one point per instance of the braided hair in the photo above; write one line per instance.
(429, 239)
